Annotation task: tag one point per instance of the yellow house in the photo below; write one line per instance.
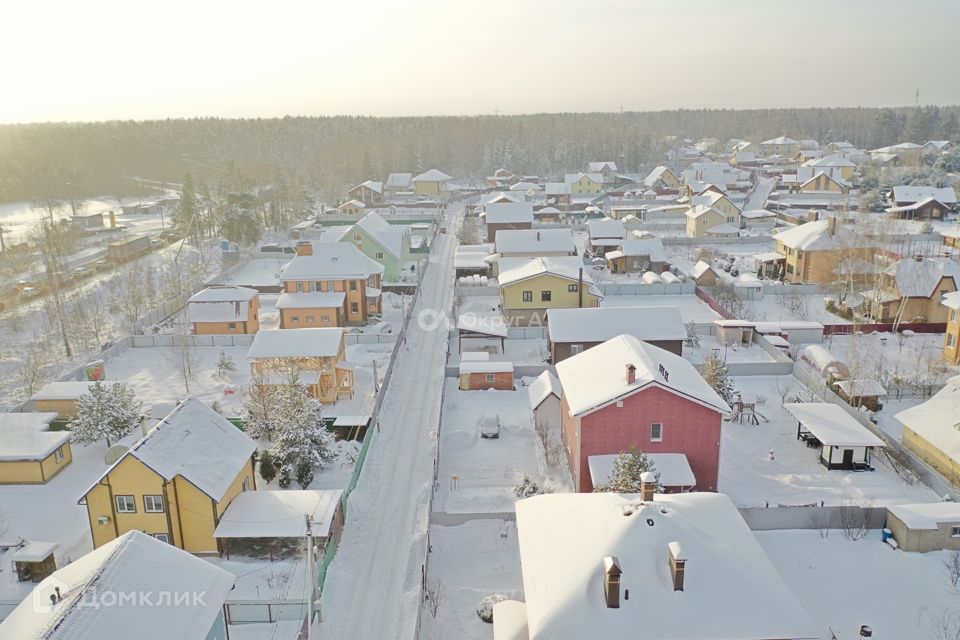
(663, 178)
(331, 285)
(316, 356)
(29, 452)
(225, 310)
(911, 290)
(432, 183)
(781, 146)
(61, 397)
(352, 208)
(701, 218)
(834, 165)
(951, 345)
(814, 250)
(823, 183)
(584, 183)
(716, 199)
(530, 287)
(176, 482)
(930, 431)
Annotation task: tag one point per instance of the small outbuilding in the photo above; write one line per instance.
(545, 400)
(704, 275)
(478, 372)
(61, 397)
(844, 443)
(862, 393)
(29, 452)
(35, 561)
(731, 332)
(925, 527)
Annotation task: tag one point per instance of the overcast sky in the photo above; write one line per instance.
(104, 59)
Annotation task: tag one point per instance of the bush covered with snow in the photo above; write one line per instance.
(485, 608)
(527, 487)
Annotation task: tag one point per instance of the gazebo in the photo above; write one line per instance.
(844, 443)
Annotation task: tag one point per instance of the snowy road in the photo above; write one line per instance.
(758, 197)
(372, 587)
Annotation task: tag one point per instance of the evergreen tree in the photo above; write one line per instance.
(225, 364)
(949, 128)
(268, 470)
(301, 437)
(186, 218)
(715, 372)
(258, 410)
(284, 478)
(304, 474)
(105, 412)
(693, 338)
(628, 467)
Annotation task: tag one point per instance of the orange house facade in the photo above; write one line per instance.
(224, 310)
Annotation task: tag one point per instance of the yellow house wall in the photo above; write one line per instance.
(930, 454)
(215, 328)
(21, 472)
(585, 185)
(129, 477)
(196, 515)
(298, 318)
(65, 408)
(561, 298)
(697, 227)
(355, 295)
(50, 465)
(427, 188)
(952, 354)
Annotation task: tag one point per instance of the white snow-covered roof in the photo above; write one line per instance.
(597, 376)
(595, 167)
(557, 188)
(508, 213)
(921, 278)
(535, 240)
(35, 551)
(399, 180)
(37, 421)
(723, 229)
(388, 236)
(279, 514)
(544, 386)
(813, 178)
(197, 443)
(134, 563)
(916, 193)
(525, 186)
(951, 300)
(319, 342)
(756, 214)
(769, 256)
(937, 419)
(698, 210)
(606, 228)
(809, 236)
(516, 269)
(24, 439)
(311, 300)
(433, 175)
(570, 178)
(776, 326)
(354, 204)
(780, 140)
(699, 269)
(331, 261)
(731, 589)
(915, 206)
(832, 425)
(491, 324)
(674, 469)
(547, 210)
(67, 390)
(472, 256)
(485, 366)
(856, 388)
(604, 323)
(926, 516)
(654, 176)
(224, 293)
(832, 160)
(373, 185)
(822, 360)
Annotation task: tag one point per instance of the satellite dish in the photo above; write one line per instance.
(114, 453)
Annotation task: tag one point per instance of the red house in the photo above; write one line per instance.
(626, 393)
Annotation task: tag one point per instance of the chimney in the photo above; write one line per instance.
(304, 248)
(918, 258)
(143, 424)
(866, 631)
(832, 225)
(538, 236)
(611, 581)
(631, 374)
(59, 595)
(648, 486)
(811, 216)
(678, 562)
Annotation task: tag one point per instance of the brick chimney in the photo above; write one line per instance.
(832, 225)
(678, 563)
(631, 374)
(648, 486)
(304, 248)
(611, 581)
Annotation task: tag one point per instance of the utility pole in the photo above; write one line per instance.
(310, 585)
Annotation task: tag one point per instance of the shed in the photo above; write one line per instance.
(703, 274)
(29, 452)
(844, 443)
(674, 470)
(546, 402)
(61, 397)
(34, 561)
(732, 332)
(862, 393)
(925, 527)
(749, 286)
(793, 331)
(478, 372)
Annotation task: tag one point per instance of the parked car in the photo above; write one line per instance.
(82, 272)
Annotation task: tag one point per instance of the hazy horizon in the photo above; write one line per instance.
(109, 60)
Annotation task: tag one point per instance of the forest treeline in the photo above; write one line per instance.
(328, 154)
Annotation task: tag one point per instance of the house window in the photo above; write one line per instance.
(955, 531)
(489, 377)
(575, 349)
(353, 285)
(545, 296)
(528, 296)
(379, 255)
(231, 325)
(162, 537)
(300, 287)
(126, 504)
(358, 237)
(354, 307)
(656, 432)
(951, 340)
(325, 318)
(246, 484)
(294, 318)
(573, 288)
(58, 455)
(153, 504)
(311, 319)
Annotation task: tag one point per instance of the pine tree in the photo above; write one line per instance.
(284, 478)
(715, 372)
(105, 412)
(186, 217)
(268, 470)
(304, 474)
(693, 338)
(301, 437)
(628, 467)
(225, 364)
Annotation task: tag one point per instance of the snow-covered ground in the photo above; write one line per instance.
(795, 306)
(488, 468)
(729, 353)
(373, 585)
(527, 351)
(893, 357)
(471, 561)
(844, 584)
(259, 272)
(794, 476)
(692, 308)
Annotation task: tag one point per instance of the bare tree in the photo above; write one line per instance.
(434, 596)
(944, 624)
(183, 356)
(820, 521)
(553, 451)
(797, 304)
(951, 566)
(783, 389)
(30, 368)
(854, 522)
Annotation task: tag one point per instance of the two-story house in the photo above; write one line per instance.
(369, 193)
(912, 289)
(381, 241)
(781, 146)
(331, 284)
(814, 251)
(224, 309)
(175, 482)
(531, 286)
(432, 184)
(951, 344)
(315, 357)
(584, 183)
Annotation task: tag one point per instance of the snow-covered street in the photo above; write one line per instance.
(373, 585)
